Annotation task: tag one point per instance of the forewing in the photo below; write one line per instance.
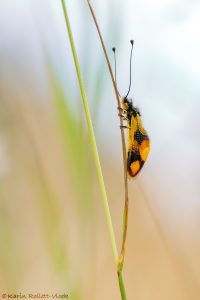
(139, 146)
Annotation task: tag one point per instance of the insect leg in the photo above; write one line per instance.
(123, 116)
(121, 110)
(125, 127)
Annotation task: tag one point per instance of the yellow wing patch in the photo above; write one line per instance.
(144, 149)
(135, 167)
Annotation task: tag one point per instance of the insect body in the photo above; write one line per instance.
(137, 138)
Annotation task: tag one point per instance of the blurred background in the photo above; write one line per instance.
(53, 232)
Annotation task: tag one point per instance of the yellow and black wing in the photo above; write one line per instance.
(138, 145)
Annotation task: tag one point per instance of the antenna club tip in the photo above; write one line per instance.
(113, 49)
(132, 42)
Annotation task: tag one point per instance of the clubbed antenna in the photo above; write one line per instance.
(132, 42)
(114, 49)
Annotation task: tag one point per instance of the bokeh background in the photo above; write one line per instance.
(53, 232)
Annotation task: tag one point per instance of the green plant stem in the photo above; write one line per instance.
(92, 136)
(121, 286)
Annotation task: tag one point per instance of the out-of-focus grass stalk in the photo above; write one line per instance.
(48, 204)
(91, 133)
(74, 145)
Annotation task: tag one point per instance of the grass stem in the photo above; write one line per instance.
(92, 135)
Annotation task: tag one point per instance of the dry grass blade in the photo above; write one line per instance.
(125, 219)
